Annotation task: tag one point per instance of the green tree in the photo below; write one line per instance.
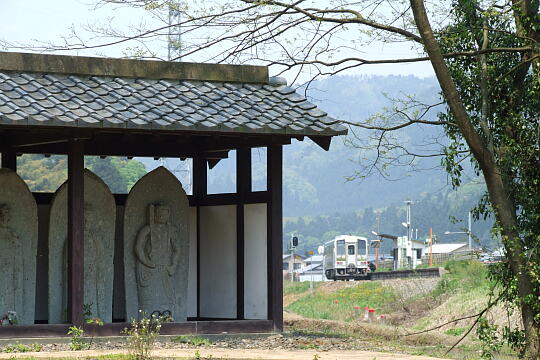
(42, 174)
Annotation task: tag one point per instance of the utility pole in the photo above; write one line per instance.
(378, 232)
(430, 247)
(470, 236)
(408, 224)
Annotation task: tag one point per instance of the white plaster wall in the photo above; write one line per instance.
(192, 277)
(218, 261)
(255, 271)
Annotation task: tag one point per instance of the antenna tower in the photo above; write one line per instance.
(175, 31)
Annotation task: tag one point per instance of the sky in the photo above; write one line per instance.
(23, 21)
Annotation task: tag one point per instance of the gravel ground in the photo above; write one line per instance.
(281, 341)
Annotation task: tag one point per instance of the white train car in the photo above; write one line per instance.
(346, 257)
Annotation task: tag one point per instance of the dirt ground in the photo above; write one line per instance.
(231, 354)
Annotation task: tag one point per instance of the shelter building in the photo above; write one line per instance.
(82, 106)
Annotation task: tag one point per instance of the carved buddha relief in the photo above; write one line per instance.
(156, 246)
(157, 256)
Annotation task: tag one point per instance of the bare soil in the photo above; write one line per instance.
(231, 354)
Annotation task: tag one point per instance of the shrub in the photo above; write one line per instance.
(77, 341)
(142, 336)
(23, 348)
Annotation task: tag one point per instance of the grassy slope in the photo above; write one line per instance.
(463, 291)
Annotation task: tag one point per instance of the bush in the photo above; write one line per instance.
(77, 341)
(18, 348)
(142, 336)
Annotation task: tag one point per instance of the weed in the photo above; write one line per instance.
(316, 357)
(455, 331)
(77, 341)
(197, 355)
(21, 348)
(297, 287)
(113, 357)
(142, 336)
(192, 340)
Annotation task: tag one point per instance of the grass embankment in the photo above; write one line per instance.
(461, 292)
(345, 304)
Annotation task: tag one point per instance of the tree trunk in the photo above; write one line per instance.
(505, 209)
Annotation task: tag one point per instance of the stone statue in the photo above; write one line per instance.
(18, 248)
(156, 246)
(99, 232)
(157, 258)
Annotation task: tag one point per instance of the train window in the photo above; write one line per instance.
(340, 247)
(350, 249)
(362, 247)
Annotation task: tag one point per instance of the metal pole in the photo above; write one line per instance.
(292, 270)
(430, 247)
(469, 232)
(311, 271)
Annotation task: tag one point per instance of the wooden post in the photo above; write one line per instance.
(243, 188)
(9, 159)
(275, 236)
(76, 232)
(200, 189)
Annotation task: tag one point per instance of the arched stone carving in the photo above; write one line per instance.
(99, 233)
(156, 246)
(18, 247)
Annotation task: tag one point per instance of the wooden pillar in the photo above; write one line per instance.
(243, 188)
(9, 159)
(275, 236)
(76, 232)
(200, 189)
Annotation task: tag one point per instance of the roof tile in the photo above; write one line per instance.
(100, 101)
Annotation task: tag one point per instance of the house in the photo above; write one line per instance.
(313, 270)
(223, 248)
(441, 253)
(407, 253)
(289, 262)
(448, 248)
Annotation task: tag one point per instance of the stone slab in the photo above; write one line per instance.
(156, 246)
(100, 219)
(18, 247)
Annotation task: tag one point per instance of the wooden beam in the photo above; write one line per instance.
(9, 159)
(118, 143)
(76, 232)
(243, 188)
(275, 236)
(255, 197)
(322, 141)
(212, 163)
(200, 189)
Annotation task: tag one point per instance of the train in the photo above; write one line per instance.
(346, 258)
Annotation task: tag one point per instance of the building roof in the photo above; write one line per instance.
(447, 248)
(69, 91)
(314, 258)
(296, 256)
(312, 268)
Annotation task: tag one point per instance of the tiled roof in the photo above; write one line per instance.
(55, 99)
